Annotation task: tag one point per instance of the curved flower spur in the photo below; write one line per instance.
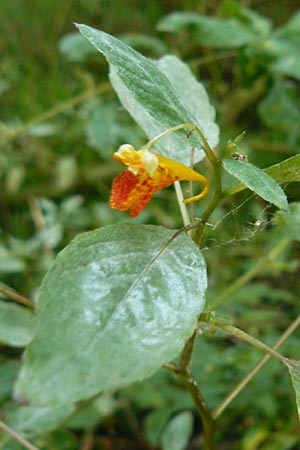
(148, 173)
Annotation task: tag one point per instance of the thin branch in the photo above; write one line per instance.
(240, 334)
(57, 109)
(182, 206)
(17, 437)
(261, 264)
(9, 293)
(243, 383)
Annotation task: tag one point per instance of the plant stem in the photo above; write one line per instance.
(240, 334)
(261, 264)
(208, 422)
(9, 293)
(17, 437)
(57, 109)
(216, 165)
(243, 383)
(182, 206)
(184, 372)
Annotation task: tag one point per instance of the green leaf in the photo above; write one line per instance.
(106, 128)
(178, 432)
(192, 94)
(74, 47)
(294, 370)
(289, 222)
(95, 412)
(290, 31)
(16, 324)
(258, 181)
(33, 421)
(262, 25)
(10, 263)
(118, 303)
(285, 171)
(209, 31)
(280, 111)
(145, 43)
(289, 64)
(148, 95)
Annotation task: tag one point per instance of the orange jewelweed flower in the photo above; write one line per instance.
(147, 173)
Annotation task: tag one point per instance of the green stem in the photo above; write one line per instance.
(243, 383)
(57, 109)
(184, 372)
(240, 334)
(208, 422)
(261, 264)
(9, 293)
(17, 437)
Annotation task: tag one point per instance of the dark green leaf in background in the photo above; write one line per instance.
(257, 181)
(209, 31)
(256, 22)
(285, 171)
(148, 94)
(74, 47)
(280, 111)
(118, 302)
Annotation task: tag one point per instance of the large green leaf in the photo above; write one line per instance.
(150, 97)
(191, 94)
(16, 324)
(118, 302)
(258, 181)
(211, 31)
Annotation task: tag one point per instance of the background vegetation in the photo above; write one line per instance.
(61, 122)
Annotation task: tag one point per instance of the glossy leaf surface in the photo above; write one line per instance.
(117, 304)
(149, 96)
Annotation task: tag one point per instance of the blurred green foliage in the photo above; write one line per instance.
(60, 123)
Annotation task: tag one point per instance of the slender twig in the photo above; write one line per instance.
(182, 206)
(243, 383)
(57, 109)
(240, 334)
(213, 58)
(9, 293)
(261, 264)
(17, 437)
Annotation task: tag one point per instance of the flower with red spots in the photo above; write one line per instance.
(147, 173)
